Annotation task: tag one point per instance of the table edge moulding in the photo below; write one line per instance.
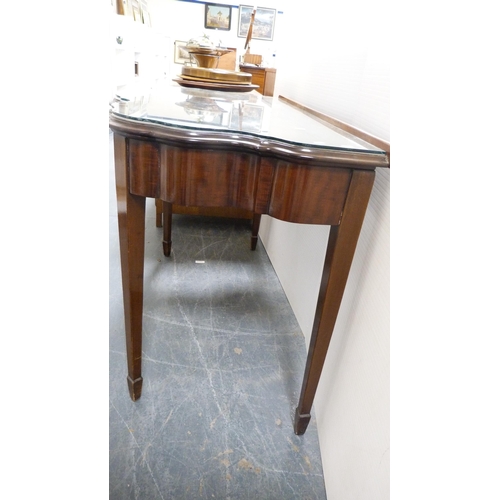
(251, 172)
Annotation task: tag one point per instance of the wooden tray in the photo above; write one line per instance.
(219, 75)
(225, 87)
(208, 80)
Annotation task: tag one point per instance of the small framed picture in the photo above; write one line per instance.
(124, 7)
(263, 25)
(146, 18)
(181, 55)
(217, 17)
(136, 10)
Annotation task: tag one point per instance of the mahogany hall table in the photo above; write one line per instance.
(206, 148)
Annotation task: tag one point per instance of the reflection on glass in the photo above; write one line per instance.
(241, 112)
(203, 109)
(247, 117)
(132, 106)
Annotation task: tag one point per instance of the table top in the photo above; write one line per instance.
(242, 113)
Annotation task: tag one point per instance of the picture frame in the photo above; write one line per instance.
(146, 18)
(263, 26)
(218, 16)
(181, 55)
(136, 10)
(124, 8)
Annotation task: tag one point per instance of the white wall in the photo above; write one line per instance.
(185, 20)
(338, 63)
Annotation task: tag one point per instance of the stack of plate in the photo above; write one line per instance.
(215, 79)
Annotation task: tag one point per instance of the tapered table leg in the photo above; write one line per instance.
(255, 230)
(159, 212)
(164, 218)
(131, 220)
(167, 228)
(340, 252)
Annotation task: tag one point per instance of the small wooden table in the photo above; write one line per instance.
(252, 153)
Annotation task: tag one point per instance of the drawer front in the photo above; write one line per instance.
(308, 194)
(258, 77)
(202, 178)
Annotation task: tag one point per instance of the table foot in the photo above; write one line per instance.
(167, 228)
(167, 247)
(253, 242)
(301, 422)
(134, 388)
(255, 230)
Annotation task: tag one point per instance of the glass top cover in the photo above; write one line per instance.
(240, 112)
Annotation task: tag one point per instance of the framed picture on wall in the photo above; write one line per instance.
(263, 26)
(217, 17)
(124, 7)
(146, 19)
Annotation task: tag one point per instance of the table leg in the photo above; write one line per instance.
(255, 230)
(131, 221)
(167, 228)
(159, 212)
(339, 254)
